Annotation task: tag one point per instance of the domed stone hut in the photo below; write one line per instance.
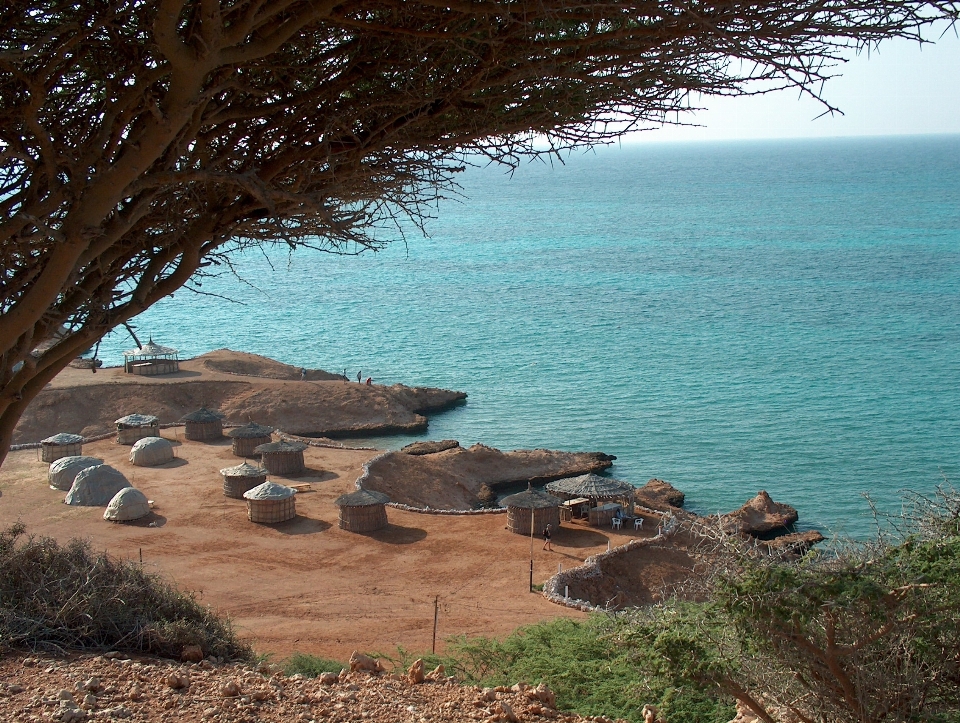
(535, 505)
(243, 477)
(61, 445)
(134, 427)
(150, 360)
(127, 505)
(248, 437)
(362, 511)
(64, 471)
(96, 486)
(270, 503)
(283, 457)
(202, 425)
(151, 451)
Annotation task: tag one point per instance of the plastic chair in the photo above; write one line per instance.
(638, 523)
(617, 523)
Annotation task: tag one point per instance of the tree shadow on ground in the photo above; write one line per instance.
(301, 525)
(397, 534)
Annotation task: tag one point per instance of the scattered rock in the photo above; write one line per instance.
(361, 662)
(415, 673)
(134, 693)
(177, 681)
(659, 495)
(437, 674)
(92, 684)
(191, 654)
(759, 516)
(230, 689)
(546, 696)
(329, 678)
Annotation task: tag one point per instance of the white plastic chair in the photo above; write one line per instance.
(638, 523)
(617, 523)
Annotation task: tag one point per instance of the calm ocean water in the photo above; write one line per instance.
(728, 317)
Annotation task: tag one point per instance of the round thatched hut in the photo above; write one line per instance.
(248, 437)
(243, 477)
(283, 457)
(61, 445)
(270, 502)
(150, 360)
(96, 486)
(137, 426)
(151, 451)
(362, 511)
(64, 471)
(202, 425)
(531, 510)
(128, 504)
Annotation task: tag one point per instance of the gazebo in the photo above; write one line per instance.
(595, 488)
(151, 451)
(96, 486)
(243, 477)
(127, 505)
(248, 437)
(64, 471)
(134, 427)
(269, 503)
(283, 457)
(61, 445)
(531, 510)
(151, 359)
(202, 425)
(362, 511)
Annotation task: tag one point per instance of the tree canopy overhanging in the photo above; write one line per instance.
(143, 140)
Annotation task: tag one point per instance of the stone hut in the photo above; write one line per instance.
(533, 505)
(269, 503)
(127, 505)
(61, 445)
(202, 425)
(283, 457)
(151, 451)
(96, 486)
(243, 477)
(362, 511)
(64, 471)
(134, 427)
(248, 437)
(151, 360)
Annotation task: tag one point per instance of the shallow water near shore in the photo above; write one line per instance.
(728, 317)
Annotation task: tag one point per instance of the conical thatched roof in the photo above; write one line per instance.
(531, 500)
(96, 486)
(62, 439)
(151, 349)
(269, 491)
(138, 420)
(244, 470)
(361, 498)
(284, 445)
(127, 504)
(592, 486)
(250, 431)
(151, 451)
(202, 416)
(65, 470)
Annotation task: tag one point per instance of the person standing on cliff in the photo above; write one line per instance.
(547, 531)
(359, 376)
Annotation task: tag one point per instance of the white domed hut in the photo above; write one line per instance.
(270, 503)
(248, 437)
(151, 359)
(283, 457)
(531, 510)
(151, 451)
(362, 511)
(137, 426)
(96, 486)
(62, 472)
(128, 504)
(61, 445)
(240, 479)
(202, 425)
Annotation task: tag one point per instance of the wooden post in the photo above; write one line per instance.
(436, 614)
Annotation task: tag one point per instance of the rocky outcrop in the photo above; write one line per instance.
(659, 495)
(798, 543)
(760, 517)
(420, 448)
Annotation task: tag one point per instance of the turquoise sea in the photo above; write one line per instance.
(729, 317)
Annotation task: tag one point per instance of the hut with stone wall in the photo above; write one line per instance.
(134, 427)
(533, 505)
(151, 360)
(240, 479)
(61, 445)
(284, 457)
(248, 437)
(362, 511)
(96, 486)
(64, 471)
(269, 503)
(151, 451)
(127, 505)
(202, 425)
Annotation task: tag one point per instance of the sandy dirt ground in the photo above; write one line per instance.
(305, 585)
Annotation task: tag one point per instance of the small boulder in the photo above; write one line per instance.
(437, 674)
(230, 689)
(177, 680)
(360, 662)
(415, 673)
(546, 696)
(329, 678)
(797, 544)
(422, 448)
(191, 654)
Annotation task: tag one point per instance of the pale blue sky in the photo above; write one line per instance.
(899, 89)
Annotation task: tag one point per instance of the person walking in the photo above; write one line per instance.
(547, 534)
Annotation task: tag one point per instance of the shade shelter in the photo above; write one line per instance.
(531, 510)
(151, 359)
(243, 477)
(96, 486)
(151, 451)
(597, 489)
(61, 445)
(362, 511)
(128, 504)
(137, 426)
(64, 471)
(269, 503)
(202, 425)
(283, 457)
(248, 437)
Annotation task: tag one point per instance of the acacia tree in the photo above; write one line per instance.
(141, 140)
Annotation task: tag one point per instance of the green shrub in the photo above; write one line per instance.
(310, 665)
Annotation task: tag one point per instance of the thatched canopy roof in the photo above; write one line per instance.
(150, 349)
(244, 470)
(269, 491)
(138, 420)
(592, 486)
(250, 431)
(62, 439)
(531, 500)
(361, 498)
(203, 416)
(284, 445)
